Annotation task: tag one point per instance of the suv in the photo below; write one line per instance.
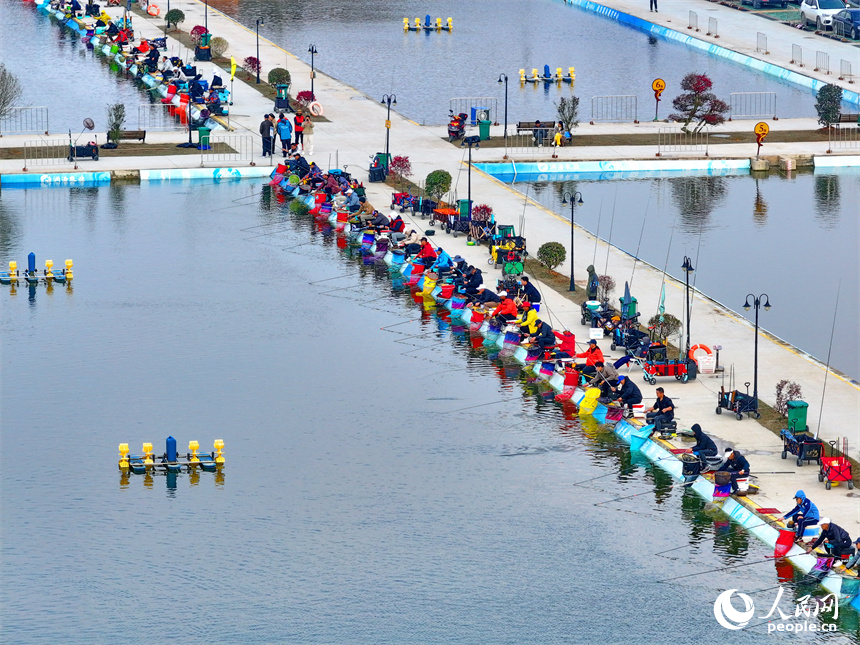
(820, 12)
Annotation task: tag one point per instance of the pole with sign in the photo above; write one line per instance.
(761, 129)
(658, 86)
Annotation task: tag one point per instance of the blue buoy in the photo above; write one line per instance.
(31, 263)
(171, 450)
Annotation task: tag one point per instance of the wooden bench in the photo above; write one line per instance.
(849, 118)
(132, 135)
(530, 125)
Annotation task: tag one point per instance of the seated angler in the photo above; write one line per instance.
(460, 266)
(300, 165)
(591, 355)
(662, 412)
(411, 244)
(506, 311)
(606, 378)
(528, 321)
(353, 202)
(544, 337)
(804, 514)
(705, 446)
(566, 345)
(443, 263)
(379, 221)
(427, 254)
(473, 280)
(628, 394)
(365, 212)
(835, 539)
(484, 298)
(737, 466)
(527, 291)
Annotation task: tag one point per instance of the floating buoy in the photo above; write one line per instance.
(316, 109)
(153, 10)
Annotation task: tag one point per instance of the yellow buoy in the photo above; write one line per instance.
(522, 76)
(219, 447)
(558, 73)
(69, 265)
(418, 23)
(13, 269)
(535, 73)
(571, 72)
(193, 447)
(406, 24)
(123, 456)
(147, 458)
(450, 24)
(438, 23)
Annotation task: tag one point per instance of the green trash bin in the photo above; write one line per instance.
(484, 129)
(797, 416)
(463, 208)
(204, 40)
(628, 311)
(203, 138)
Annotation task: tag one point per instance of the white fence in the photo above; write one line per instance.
(797, 55)
(231, 150)
(713, 29)
(845, 71)
(752, 105)
(693, 21)
(674, 141)
(615, 108)
(25, 120)
(156, 116)
(844, 138)
(464, 105)
(761, 43)
(46, 152)
(527, 145)
(822, 62)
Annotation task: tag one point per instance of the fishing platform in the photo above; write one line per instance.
(170, 461)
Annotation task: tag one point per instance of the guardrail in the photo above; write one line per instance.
(155, 116)
(676, 141)
(25, 120)
(713, 28)
(797, 55)
(822, 62)
(527, 145)
(46, 152)
(618, 108)
(761, 43)
(845, 71)
(752, 105)
(230, 149)
(843, 138)
(693, 21)
(464, 105)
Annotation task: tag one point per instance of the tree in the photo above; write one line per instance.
(697, 102)
(568, 112)
(279, 76)
(828, 105)
(304, 99)
(437, 184)
(174, 17)
(115, 120)
(251, 65)
(551, 254)
(668, 326)
(218, 46)
(401, 167)
(786, 391)
(605, 285)
(197, 34)
(10, 91)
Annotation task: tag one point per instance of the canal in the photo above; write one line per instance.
(366, 498)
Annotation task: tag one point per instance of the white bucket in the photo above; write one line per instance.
(595, 333)
(594, 305)
(707, 364)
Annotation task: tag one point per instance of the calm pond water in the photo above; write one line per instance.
(744, 235)
(425, 70)
(365, 498)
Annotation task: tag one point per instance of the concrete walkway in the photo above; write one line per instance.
(356, 131)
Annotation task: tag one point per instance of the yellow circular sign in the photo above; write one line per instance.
(762, 128)
(658, 85)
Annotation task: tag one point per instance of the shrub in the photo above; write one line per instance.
(482, 212)
(218, 46)
(786, 391)
(828, 104)
(551, 254)
(697, 102)
(669, 326)
(401, 167)
(174, 17)
(299, 208)
(10, 90)
(278, 76)
(197, 32)
(605, 285)
(115, 120)
(304, 99)
(251, 65)
(437, 184)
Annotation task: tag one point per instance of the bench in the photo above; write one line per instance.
(849, 118)
(530, 125)
(132, 135)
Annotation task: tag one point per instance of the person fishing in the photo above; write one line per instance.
(804, 514)
(592, 285)
(427, 254)
(737, 466)
(591, 355)
(365, 213)
(661, 412)
(527, 291)
(606, 378)
(443, 263)
(411, 244)
(705, 446)
(506, 311)
(628, 393)
(835, 539)
(854, 561)
(473, 280)
(528, 321)
(566, 347)
(544, 337)
(353, 201)
(484, 298)
(379, 221)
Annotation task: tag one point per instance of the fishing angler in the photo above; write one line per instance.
(804, 514)
(737, 466)
(628, 394)
(606, 378)
(662, 412)
(836, 540)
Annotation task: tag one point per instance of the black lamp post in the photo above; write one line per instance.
(688, 269)
(259, 22)
(389, 99)
(312, 50)
(476, 142)
(206, 17)
(757, 303)
(504, 77)
(573, 203)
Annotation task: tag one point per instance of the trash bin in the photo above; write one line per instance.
(203, 138)
(628, 311)
(383, 159)
(463, 208)
(797, 416)
(204, 40)
(484, 129)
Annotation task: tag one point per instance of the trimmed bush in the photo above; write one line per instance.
(279, 76)
(197, 32)
(551, 254)
(174, 17)
(437, 184)
(218, 46)
(669, 326)
(251, 65)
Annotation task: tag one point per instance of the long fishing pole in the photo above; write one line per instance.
(597, 234)
(639, 244)
(688, 545)
(609, 239)
(666, 263)
(827, 368)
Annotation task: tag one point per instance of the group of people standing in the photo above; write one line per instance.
(298, 133)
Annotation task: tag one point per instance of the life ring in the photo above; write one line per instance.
(316, 109)
(692, 352)
(153, 10)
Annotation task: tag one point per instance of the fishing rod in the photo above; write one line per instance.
(666, 263)
(754, 526)
(609, 239)
(585, 481)
(827, 368)
(597, 234)
(639, 244)
(735, 566)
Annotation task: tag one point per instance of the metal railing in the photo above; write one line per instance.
(752, 105)
(797, 55)
(822, 62)
(676, 141)
(25, 120)
(156, 116)
(841, 29)
(528, 145)
(618, 108)
(844, 137)
(46, 152)
(693, 21)
(230, 149)
(464, 105)
(761, 43)
(713, 28)
(845, 71)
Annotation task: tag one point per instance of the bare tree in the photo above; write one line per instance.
(10, 91)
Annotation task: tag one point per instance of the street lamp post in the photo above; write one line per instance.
(687, 266)
(757, 303)
(259, 22)
(312, 50)
(476, 142)
(389, 99)
(206, 17)
(504, 77)
(573, 202)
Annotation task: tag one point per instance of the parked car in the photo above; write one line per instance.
(847, 22)
(758, 4)
(820, 12)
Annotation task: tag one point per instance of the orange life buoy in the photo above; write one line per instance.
(692, 352)
(153, 10)
(316, 109)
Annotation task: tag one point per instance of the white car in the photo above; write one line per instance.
(820, 12)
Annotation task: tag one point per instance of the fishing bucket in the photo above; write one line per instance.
(690, 465)
(784, 542)
(722, 478)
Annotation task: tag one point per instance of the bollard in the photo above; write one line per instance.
(147, 456)
(171, 450)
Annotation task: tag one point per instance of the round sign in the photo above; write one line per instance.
(658, 85)
(762, 128)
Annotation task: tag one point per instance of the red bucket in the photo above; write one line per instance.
(447, 291)
(784, 542)
(281, 169)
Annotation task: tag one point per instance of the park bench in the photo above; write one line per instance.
(530, 125)
(132, 135)
(849, 118)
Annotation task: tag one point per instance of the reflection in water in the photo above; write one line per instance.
(696, 198)
(827, 200)
(760, 206)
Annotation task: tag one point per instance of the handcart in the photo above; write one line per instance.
(738, 402)
(801, 445)
(676, 368)
(403, 202)
(427, 208)
(629, 336)
(836, 468)
(482, 226)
